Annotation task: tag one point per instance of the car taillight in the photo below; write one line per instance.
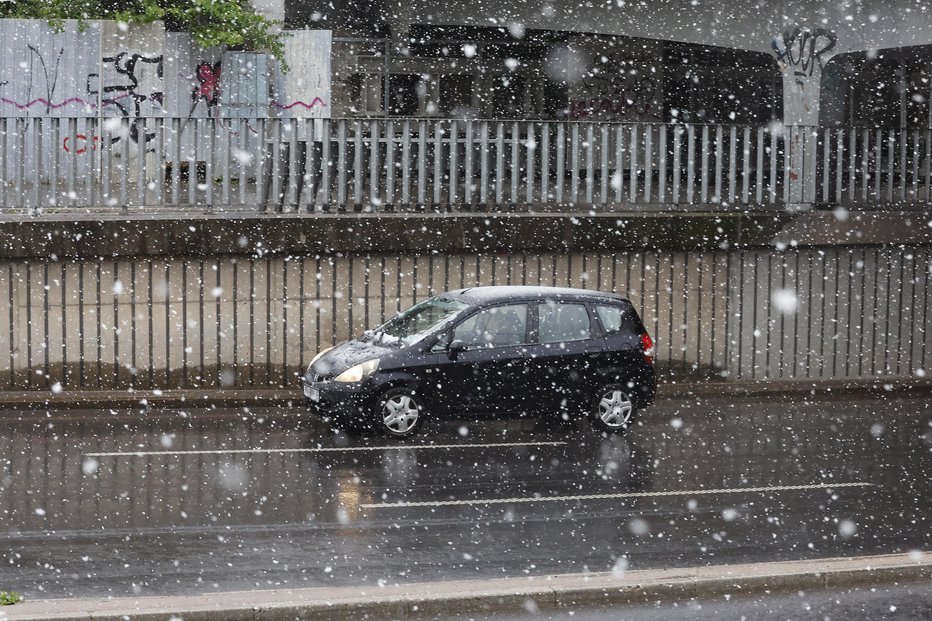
(648, 348)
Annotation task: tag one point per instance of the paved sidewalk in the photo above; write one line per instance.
(428, 600)
(270, 397)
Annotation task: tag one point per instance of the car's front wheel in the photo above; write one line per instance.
(613, 409)
(400, 414)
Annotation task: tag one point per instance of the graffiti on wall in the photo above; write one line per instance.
(208, 87)
(128, 82)
(205, 86)
(803, 50)
(49, 74)
(62, 77)
(317, 101)
(82, 143)
(121, 88)
(41, 83)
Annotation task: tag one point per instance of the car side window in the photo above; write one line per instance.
(558, 322)
(611, 318)
(442, 343)
(620, 326)
(499, 326)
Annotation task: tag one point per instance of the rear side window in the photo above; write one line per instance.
(610, 317)
(616, 318)
(558, 322)
(622, 326)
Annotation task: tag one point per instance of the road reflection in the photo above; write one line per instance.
(215, 470)
(165, 473)
(481, 467)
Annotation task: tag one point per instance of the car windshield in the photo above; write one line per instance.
(415, 323)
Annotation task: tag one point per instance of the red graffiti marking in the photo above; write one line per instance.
(80, 139)
(209, 88)
(46, 102)
(317, 101)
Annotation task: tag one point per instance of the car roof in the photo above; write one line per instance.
(516, 293)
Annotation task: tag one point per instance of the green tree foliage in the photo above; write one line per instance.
(233, 24)
(52, 10)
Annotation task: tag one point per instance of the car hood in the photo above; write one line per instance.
(346, 355)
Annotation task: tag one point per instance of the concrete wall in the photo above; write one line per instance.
(296, 234)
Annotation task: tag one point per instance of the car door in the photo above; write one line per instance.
(564, 353)
(489, 374)
(441, 378)
(623, 352)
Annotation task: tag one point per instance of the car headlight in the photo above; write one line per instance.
(358, 372)
(315, 358)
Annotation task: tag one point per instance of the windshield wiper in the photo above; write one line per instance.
(380, 336)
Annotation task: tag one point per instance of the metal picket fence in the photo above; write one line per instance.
(870, 166)
(385, 164)
(373, 165)
(247, 321)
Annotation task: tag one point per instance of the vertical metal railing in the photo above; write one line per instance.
(808, 313)
(873, 167)
(322, 165)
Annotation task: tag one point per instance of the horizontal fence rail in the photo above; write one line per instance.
(313, 165)
(829, 313)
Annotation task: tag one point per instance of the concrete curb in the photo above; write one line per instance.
(264, 397)
(778, 388)
(505, 595)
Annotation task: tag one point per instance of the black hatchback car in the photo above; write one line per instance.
(532, 350)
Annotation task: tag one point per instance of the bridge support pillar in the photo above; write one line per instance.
(802, 53)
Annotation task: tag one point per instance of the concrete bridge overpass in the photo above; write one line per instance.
(801, 36)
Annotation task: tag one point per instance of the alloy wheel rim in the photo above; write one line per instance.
(615, 408)
(400, 413)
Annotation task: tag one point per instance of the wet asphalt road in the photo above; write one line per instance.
(184, 501)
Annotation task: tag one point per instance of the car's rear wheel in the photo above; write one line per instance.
(400, 414)
(613, 409)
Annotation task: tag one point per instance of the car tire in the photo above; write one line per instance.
(613, 410)
(400, 413)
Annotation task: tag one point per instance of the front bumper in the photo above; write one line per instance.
(337, 400)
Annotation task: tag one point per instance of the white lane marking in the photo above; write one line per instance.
(691, 492)
(323, 449)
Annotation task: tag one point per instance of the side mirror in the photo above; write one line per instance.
(456, 347)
